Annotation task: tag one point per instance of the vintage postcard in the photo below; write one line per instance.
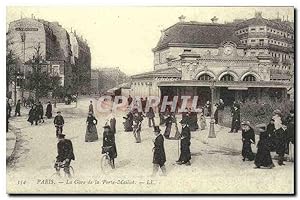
(150, 100)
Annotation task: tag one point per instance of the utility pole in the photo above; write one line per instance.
(23, 38)
(212, 133)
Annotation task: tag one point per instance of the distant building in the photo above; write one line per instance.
(26, 34)
(246, 60)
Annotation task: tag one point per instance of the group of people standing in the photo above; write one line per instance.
(36, 113)
(277, 136)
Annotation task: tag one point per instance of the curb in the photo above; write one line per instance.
(16, 131)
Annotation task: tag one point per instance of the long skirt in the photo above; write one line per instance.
(91, 133)
(185, 153)
(247, 151)
(263, 158)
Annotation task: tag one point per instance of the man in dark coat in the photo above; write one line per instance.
(168, 122)
(49, 110)
(235, 124)
(40, 112)
(271, 134)
(59, 123)
(281, 140)
(263, 156)
(18, 108)
(65, 153)
(33, 115)
(128, 122)
(248, 138)
(185, 142)
(109, 141)
(150, 116)
(159, 156)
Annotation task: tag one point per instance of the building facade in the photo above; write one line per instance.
(232, 61)
(25, 35)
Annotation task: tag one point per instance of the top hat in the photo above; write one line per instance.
(157, 129)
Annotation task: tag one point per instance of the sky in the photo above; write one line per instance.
(124, 36)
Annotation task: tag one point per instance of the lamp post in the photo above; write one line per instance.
(23, 39)
(212, 133)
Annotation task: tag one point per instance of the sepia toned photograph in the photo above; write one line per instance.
(150, 100)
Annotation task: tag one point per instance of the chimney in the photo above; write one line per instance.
(214, 20)
(181, 18)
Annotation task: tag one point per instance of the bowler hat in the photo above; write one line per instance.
(157, 129)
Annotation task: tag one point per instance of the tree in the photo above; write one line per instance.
(39, 79)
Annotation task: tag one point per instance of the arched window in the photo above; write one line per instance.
(227, 77)
(205, 77)
(249, 77)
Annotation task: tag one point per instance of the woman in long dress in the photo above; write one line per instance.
(248, 138)
(91, 134)
(263, 157)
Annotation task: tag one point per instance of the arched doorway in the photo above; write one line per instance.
(228, 96)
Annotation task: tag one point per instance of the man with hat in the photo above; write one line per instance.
(185, 142)
(159, 156)
(109, 141)
(49, 110)
(248, 138)
(263, 156)
(65, 153)
(58, 123)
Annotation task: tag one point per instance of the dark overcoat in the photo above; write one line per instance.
(65, 150)
(109, 140)
(248, 137)
(159, 156)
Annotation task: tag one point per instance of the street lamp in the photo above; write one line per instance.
(212, 133)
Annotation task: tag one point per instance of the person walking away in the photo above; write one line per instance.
(185, 142)
(109, 144)
(18, 108)
(91, 134)
(151, 116)
(159, 155)
(248, 138)
(65, 154)
(91, 107)
(59, 123)
(235, 124)
(49, 110)
(263, 156)
(40, 112)
(137, 125)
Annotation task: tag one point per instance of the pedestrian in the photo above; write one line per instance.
(291, 134)
(216, 113)
(65, 154)
(18, 108)
(281, 141)
(207, 109)
(271, 133)
(91, 134)
(151, 116)
(248, 138)
(91, 107)
(185, 142)
(59, 123)
(277, 119)
(109, 145)
(128, 122)
(168, 122)
(202, 121)
(129, 100)
(111, 121)
(159, 155)
(161, 118)
(263, 156)
(49, 110)
(40, 112)
(33, 115)
(8, 107)
(220, 109)
(235, 124)
(137, 126)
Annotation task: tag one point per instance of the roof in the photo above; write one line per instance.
(169, 72)
(197, 33)
(277, 24)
